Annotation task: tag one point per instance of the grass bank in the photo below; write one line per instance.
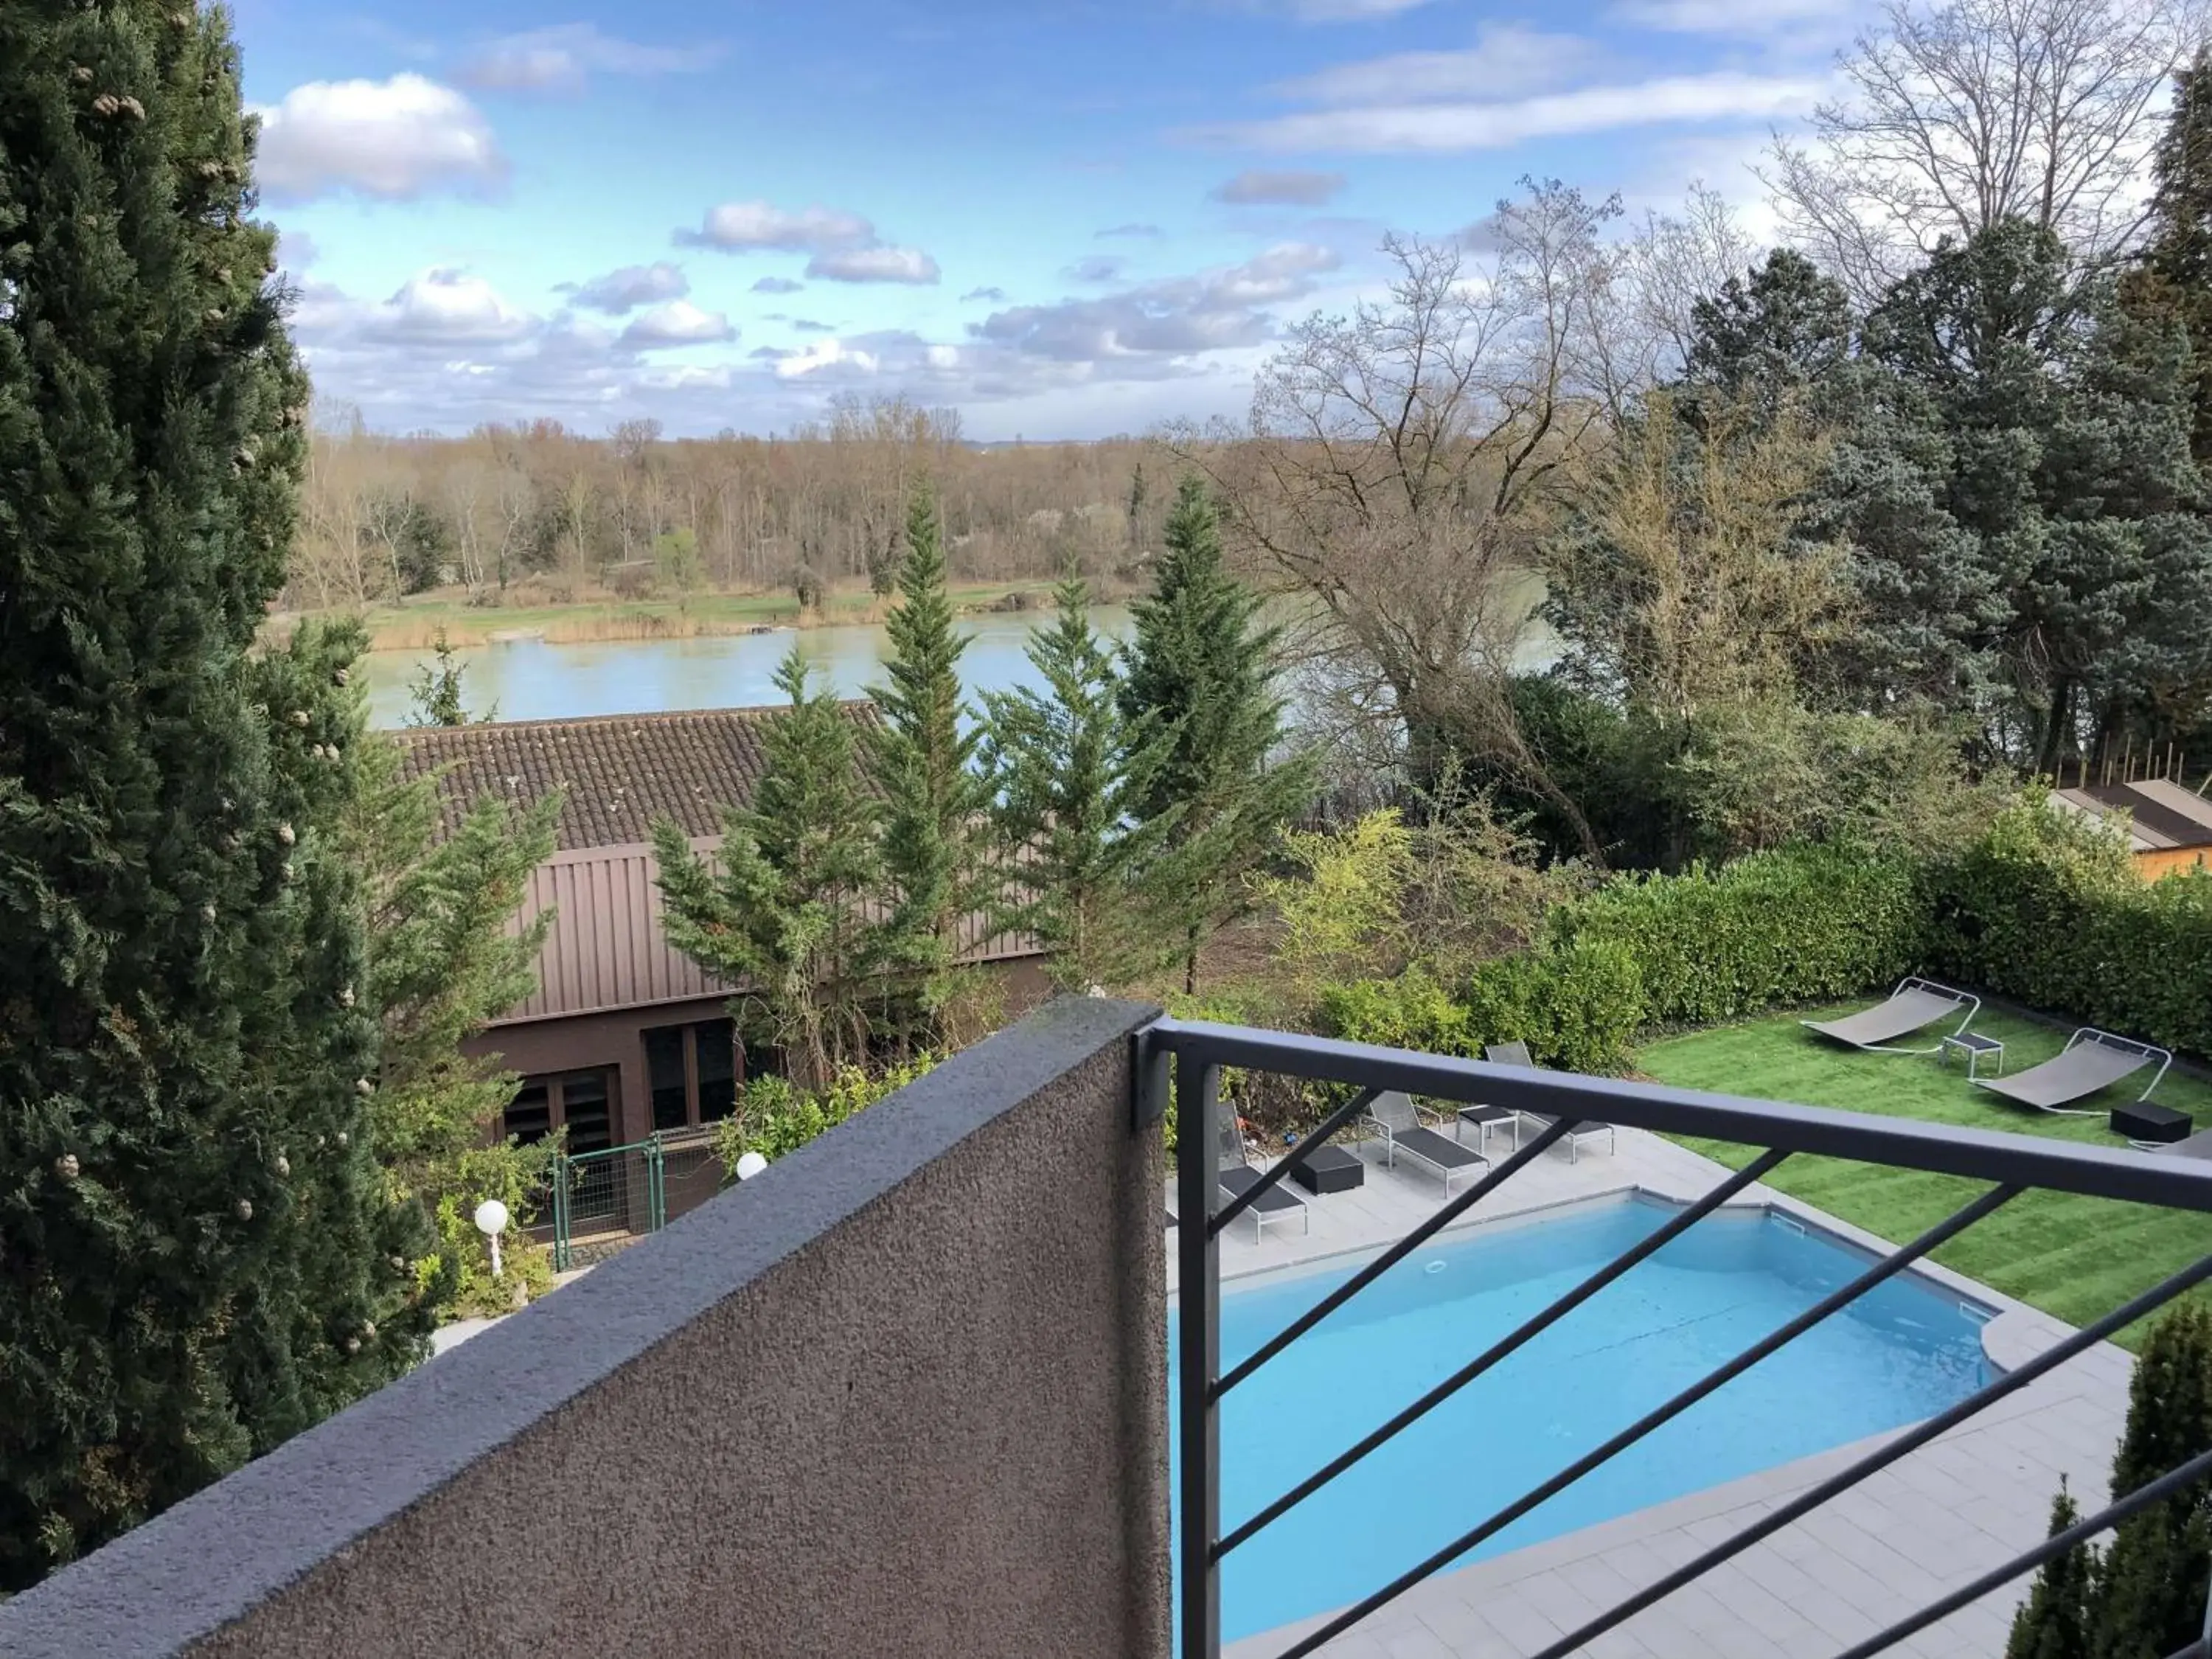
(414, 624)
(2075, 1258)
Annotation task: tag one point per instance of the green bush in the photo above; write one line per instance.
(1409, 1011)
(773, 1118)
(1800, 924)
(2047, 909)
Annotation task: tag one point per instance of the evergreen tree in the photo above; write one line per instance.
(2054, 1622)
(777, 910)
(925, 762)
(442, 963)
(2150, 1598)
(1201, 673)
(436, 697)
(1069, 767)
(198, 1256)
(2173, 281)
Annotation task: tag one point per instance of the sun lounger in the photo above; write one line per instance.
(1516, 1054)
(1237, 1177)
(1915, 1004)
(2091, 1060)
(1405, 1128)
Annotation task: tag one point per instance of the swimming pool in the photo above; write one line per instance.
(1900, 1355)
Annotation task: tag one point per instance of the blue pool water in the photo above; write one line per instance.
(1899, 1355)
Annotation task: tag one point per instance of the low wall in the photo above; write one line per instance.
(902, 1394)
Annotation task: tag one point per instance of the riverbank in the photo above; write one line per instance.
(414, 624)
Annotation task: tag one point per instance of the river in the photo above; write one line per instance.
(533, 680)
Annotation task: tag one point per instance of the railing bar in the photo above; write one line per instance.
(1390, 1258)
(1514, 1340)
(2015, 1159)
(2049, 1359)
(2081, 1531)
(1198, 1517)
(1889, 1267)
(1297, 1155)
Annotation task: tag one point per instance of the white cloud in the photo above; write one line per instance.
(563, 57)
(745, 226)
(678, 323)
(1722, 95)
(777, 285)
(874, 264)
(391, 139)
(624, 290)
(296, 251)
(1156, 323)
(1096, 268)
(1508, 60)
(1131, 230)
(1292, 189)
(449, 307)
(1731, 16)
(1348, 11)
(993, 294)
(823, 355)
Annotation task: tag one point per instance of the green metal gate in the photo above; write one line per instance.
(624, 1189)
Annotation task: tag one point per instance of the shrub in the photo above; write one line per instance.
(773, 1117)
(2046, 909)
(1800, 924)
(1268, 1102)
(1411, 1010)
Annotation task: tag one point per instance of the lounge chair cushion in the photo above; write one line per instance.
(2079, 1073)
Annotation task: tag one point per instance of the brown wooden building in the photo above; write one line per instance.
(2169, 827)
(624, 1036)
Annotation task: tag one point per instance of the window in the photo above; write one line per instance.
(693, 1072)
(582, 1102)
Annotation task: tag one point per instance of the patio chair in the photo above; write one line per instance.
(1405, 1128)
(1237, 1177)
(1516, 1054)
(2091, 1060)
(1915, 1004)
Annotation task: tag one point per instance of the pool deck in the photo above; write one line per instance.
(1956, 1508)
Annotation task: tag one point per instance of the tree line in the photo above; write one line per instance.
(538, 511)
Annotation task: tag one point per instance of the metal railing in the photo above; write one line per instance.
(2013, 1164)
(622, 1189)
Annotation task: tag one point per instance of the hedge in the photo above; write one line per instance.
(2047, 910)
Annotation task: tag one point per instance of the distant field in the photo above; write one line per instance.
(2076, 1258)
(416, 624)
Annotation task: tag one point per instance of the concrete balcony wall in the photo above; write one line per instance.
(902, 1394)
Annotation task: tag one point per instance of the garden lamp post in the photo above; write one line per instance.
(751, 1164)
(491, 1222)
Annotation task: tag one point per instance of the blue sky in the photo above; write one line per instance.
(1065, 219)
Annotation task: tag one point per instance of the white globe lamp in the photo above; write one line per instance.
(491, 1222)
(751, 1164)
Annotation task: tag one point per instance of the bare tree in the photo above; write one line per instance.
(1983, 110)
(1402, 464)
(1676, 260)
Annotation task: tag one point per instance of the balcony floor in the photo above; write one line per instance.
(1969, 1501)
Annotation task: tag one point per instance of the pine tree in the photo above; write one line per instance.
(777, 910)
(2173, 280)
(925, 762)
(196, 1253)
(435, 696)
(442, 963)
(1201, 673)
(1068, 767)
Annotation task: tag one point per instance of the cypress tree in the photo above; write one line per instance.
(776, 909)
(2054, 1622)
(1068, 767)
(198, 1255)
(925, 762)
(1201, 673)
(2151, 1592)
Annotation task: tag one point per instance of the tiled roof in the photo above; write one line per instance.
(619, 771)
(2162, 815)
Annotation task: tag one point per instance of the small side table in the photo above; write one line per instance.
(2147, 1123)
(1974, 1046)
(1330, 1169)
(1485, 1118)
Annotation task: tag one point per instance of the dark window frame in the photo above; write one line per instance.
(556, 1105)
(690, 1032)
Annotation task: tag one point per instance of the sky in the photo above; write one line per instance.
(1064, 218)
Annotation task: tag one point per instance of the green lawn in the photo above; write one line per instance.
(2078, 1258)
